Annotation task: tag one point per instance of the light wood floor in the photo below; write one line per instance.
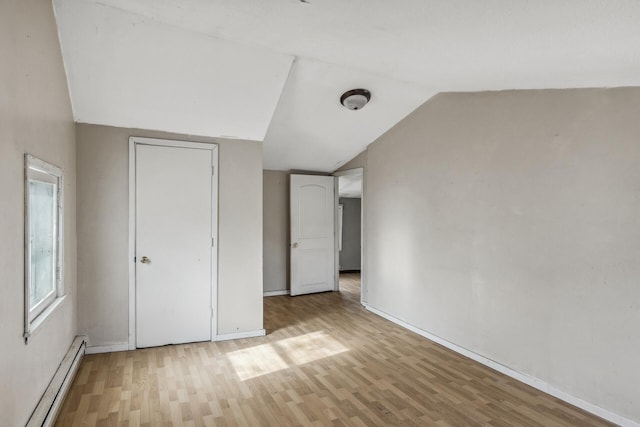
(325, 361)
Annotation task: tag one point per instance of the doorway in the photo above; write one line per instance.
(350, 228)
(173, 233)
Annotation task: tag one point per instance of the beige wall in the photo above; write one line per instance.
(509, 224)
(359, 161)
(276, 230)
(35, 118)
(103, 232)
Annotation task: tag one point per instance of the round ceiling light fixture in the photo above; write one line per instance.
(355, 99)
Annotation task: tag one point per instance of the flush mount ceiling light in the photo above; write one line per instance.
(355, 99)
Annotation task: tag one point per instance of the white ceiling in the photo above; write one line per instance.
(310, 128)
(273, 70)
(131, 71)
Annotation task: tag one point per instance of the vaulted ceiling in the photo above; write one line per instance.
(273, 71)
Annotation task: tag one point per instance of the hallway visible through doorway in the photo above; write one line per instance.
(350, 285)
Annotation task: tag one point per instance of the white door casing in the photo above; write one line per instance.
(312, 209)
(363, 282)
(175, 203)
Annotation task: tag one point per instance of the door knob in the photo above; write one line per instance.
(295, 245)
(145, 260)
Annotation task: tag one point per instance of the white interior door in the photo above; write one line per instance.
(312, 234)
(173, 244)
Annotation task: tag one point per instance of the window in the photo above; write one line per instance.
(43, 241)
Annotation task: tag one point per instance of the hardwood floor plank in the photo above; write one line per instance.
(325, 361)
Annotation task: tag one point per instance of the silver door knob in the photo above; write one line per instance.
(295, 245)
(145, 260)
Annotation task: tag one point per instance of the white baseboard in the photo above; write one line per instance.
(275, 293)
(125, 346)
(46, 412)
(524, 378)
(107, 348)
(238, 335)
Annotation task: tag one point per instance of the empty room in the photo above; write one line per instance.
(319, 212)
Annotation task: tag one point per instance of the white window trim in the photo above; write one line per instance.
(34, 318)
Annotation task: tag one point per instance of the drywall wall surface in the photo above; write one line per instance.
(240, 231)
(35, 118)
(276, 230)
(103, 209)
(103, 234)
(350, 253)
(358, 161)
(508, 223)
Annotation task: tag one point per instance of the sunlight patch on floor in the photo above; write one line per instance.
(256, 361)
(264, 359)
(309, 347)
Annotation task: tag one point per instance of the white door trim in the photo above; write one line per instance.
(133, 141)
(363, 282)
(336, 249)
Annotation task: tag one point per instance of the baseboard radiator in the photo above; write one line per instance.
(47, 410)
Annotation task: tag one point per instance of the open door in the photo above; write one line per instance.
(313, 211)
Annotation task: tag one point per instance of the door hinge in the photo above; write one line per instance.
(213, 242)
(213, 170)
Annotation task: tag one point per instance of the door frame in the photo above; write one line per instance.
(133, 141)
(363, 282)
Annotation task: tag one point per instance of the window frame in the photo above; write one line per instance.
(39, 170)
